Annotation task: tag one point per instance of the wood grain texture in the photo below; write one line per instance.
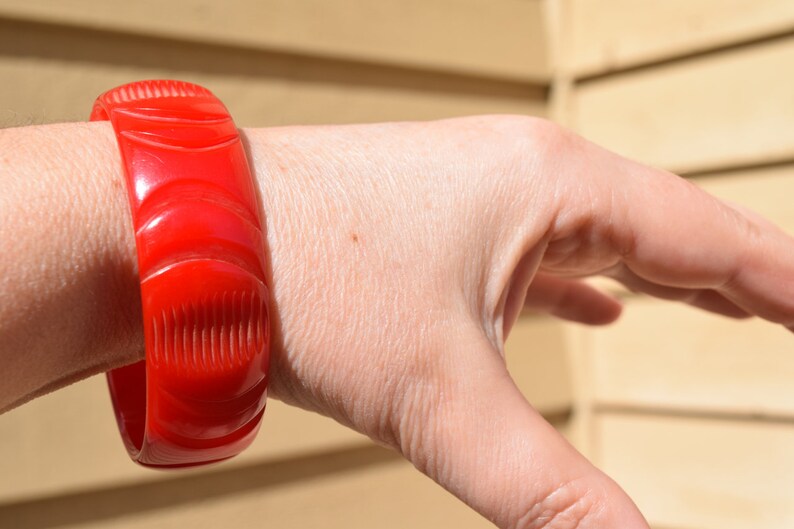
(58, 72)
(609, 35)
(699, 473)
(711, 112)
(494, 38)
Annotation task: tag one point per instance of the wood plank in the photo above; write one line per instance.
(709, 474)
(615, 34)
(668, 356)
(58, 72)
(350, 489)
(711, 112)
(504, 38)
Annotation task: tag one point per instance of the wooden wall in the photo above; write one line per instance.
(279, 61)
(273, 62)
(693, 414)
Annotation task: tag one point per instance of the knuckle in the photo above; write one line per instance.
(525, 133)
(512, 150)
(533, 149)
(537, 135)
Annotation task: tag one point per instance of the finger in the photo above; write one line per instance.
(713, 301)
(751, 214)
(672, 233)
(481, 440)
(571, 300)
(709, 300)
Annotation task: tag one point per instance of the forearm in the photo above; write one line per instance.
(69, 297)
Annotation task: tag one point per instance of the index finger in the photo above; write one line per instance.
(669, 231)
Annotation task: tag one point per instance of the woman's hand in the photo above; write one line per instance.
(401, 255)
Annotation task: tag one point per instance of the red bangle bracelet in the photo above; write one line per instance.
(200, 393)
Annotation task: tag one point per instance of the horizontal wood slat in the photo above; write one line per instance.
(712, 112)
(672, 357)
(351, 489)
(698, 473)
(68, 441)
(615, 34)
(494, 38)
(57, 73)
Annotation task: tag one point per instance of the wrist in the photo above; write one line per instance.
(69, 278)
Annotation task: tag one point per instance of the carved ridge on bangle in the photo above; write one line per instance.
(208, 334)
(143, 115)
(151, 140)
(156, 89)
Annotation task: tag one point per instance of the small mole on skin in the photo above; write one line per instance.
(354, 236)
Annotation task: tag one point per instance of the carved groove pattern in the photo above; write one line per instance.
(157, 118)
(151, 140)
(156, 88)
(188, 190)
(221, 332)
(162, 194)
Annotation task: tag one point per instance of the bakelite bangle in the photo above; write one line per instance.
(199, 395)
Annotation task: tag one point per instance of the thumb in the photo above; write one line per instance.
(481, 440)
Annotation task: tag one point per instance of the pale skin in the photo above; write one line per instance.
(401, 255)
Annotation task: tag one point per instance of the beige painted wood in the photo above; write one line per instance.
(364, 489)
(495, 38)
(578, 428)
(68, 440)
(54, 92)
(712, 112)
(702, 473)
(537, 353)
(613, 34)
(563, 83)
(55, 75)
(673, 357)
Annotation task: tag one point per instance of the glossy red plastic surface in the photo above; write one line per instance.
(200, 394)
